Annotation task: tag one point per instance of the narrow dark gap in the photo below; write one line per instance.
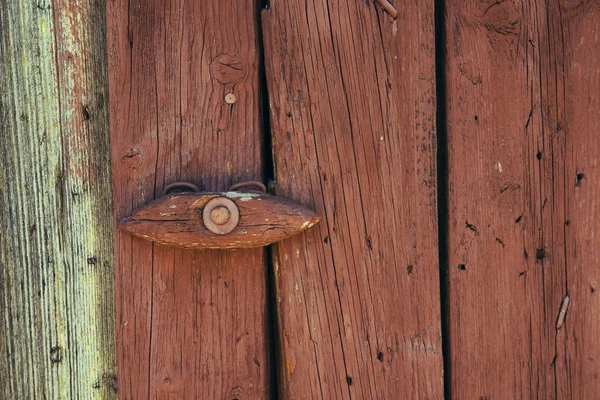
(272, 328)
(267, 142)
(442, 185)
(268, 178)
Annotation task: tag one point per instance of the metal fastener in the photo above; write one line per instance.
(221, 215)
(181, 186)
(242, 185)
(230, 98)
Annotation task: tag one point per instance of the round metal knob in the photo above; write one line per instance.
(221, 215)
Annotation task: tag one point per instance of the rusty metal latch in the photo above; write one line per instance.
(239, 218)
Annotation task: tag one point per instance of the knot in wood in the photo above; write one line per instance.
(228, 69)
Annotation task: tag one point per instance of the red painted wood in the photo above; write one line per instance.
(178, 220)
(190, 324)
(352, 101)
(523, 90)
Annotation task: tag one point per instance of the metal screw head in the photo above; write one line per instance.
(230, 98)
(221, 215)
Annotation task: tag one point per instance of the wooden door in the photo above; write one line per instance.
(350, 297)
(449, 147)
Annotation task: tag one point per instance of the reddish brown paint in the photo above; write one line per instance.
(352, 96)
(523, 88)
(177, 220)
(190, 324)
(352, 102)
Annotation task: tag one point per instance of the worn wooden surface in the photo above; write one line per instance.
(177, 220)
(523, 93)
(352, 101)
(56, 245)
(190, 324)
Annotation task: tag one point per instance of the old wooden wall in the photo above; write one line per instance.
(352, 110)
(190, 324)
(56, 247)
(523, 109)
(352, 102)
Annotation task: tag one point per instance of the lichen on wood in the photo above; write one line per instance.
(56, 259)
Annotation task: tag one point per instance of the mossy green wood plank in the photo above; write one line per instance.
(56, 262)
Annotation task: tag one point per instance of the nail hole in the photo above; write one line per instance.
(538, 155)
(462, 267)
(230, 98)
(56, 354)
(540, 254)
(519, 218)
(87, 115)
(349, 381)
(579, 177)
(471, 227)
(409, 270)
(380, 356)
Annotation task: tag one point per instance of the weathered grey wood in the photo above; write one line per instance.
(56, 262)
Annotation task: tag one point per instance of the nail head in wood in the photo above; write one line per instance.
(230, 98)
(221, 216)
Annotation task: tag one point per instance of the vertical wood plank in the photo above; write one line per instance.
(352, 101)
(190, 324)
(56, 245)
(523, 85)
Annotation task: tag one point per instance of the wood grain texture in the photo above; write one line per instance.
(177, 220)
(523, 87)
(57, 337)
(352, 101)
(190, 324)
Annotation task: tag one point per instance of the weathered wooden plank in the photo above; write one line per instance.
(352, 99)
(56, 244)
(523, 85)
(190, 324)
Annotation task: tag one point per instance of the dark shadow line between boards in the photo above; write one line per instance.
(268, 175)
(442, 189)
